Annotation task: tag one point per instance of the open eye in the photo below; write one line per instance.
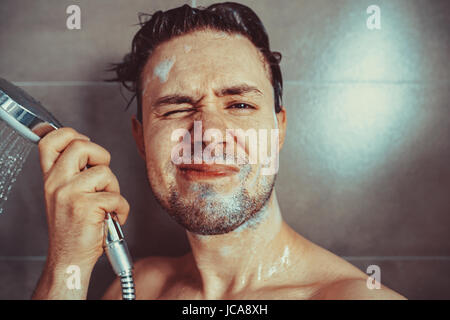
(240, 106)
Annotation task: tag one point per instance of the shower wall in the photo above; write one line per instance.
(364, 171)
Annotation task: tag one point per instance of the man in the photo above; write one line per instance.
(194, 70)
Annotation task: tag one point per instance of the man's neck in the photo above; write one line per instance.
(244, 258)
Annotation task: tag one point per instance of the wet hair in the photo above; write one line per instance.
(228, 17)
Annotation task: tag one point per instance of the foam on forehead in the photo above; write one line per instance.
(163, 68)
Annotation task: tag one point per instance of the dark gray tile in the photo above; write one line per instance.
(329, 41)
(19, 279)
(420, 279)
(320, 40)
(364, 170)
(23, 226)
(36, 44)
(101, 278)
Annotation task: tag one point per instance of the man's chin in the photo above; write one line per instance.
(206, 208)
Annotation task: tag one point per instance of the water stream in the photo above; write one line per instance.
(14, 150)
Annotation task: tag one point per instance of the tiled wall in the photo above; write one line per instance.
(365, 169)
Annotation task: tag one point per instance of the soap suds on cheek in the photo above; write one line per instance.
(256, 177)
(253, 222)
(162, 70)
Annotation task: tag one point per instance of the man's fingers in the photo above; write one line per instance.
(54, 143)
(95, 179)
(77, 155)
(111, 202)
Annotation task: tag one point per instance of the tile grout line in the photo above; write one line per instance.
(286, 82)
(360, 82)
(397, 258)
(23, 258)
(351, 258)
(63, 83)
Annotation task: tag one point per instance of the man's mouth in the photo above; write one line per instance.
(207, 171)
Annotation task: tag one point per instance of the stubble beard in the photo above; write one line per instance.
(208, 212)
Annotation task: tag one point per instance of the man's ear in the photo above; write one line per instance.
(282, 122)
(138, 134)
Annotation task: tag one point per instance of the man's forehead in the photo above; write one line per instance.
(204, 57)
(200, 41)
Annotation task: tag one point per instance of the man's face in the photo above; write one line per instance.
(220, 81)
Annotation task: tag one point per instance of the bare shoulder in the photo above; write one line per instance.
(335, 278)
(344, 281)
(150, 276)
(356, 289)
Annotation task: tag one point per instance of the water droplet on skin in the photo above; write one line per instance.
(272, 270)
(285, 257)
(284, 261)
(259, 271)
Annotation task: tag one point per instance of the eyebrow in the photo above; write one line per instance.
(237, 90)
(173, 99)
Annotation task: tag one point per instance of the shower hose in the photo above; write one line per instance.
(127, 284)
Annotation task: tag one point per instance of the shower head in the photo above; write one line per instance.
(24, 114)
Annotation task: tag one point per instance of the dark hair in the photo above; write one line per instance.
(226, 17)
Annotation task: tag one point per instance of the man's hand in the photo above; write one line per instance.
(76, 200)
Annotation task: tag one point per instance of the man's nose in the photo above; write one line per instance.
(208, 120)
(208, 127)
